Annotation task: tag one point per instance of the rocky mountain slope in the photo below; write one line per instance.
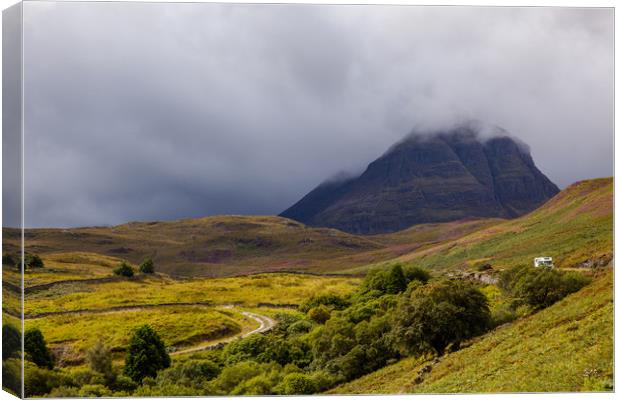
(432, 178)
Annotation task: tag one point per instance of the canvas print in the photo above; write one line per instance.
(205, 199)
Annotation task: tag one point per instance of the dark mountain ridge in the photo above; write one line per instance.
(431, 178)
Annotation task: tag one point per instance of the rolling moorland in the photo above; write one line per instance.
(223, 284)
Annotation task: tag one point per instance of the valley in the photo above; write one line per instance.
(224, 282)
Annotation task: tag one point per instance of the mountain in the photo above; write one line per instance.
(441, 177)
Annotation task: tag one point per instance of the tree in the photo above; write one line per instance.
(147, 266)
(380, 281)
(33, 261)
(434, 316)
(11, 341)
(395, 281)
(100, 360)
(124, 270)
(36, 349)
(146, 354)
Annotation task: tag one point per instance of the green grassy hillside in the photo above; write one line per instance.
(566, 347)
(575, 228)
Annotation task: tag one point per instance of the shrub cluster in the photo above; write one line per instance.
(540, 287)
(146, 356)
(30, 260)
(124, 270)
(147, 266)
(397, 311)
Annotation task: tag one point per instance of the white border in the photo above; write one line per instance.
(541, 3)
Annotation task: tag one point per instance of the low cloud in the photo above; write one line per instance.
(145, 111)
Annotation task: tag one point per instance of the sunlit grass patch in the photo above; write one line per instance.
(249, 291)
(180, 327)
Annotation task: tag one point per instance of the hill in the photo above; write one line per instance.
(217, 246)
(566, 347)
(575, 228)
(212, 246)
(441, 177)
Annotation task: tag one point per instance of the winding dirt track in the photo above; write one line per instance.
(265, 324)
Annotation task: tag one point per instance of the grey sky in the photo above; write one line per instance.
(157, 111)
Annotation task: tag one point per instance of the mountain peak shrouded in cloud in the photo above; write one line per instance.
(155, 111)
(431, 177)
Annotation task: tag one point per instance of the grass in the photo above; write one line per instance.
(65, 266)
(566, 347)
(247, 291)
(11, 301)
(70, 336)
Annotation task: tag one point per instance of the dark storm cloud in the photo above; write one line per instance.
(159, 111)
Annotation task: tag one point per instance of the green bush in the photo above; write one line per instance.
(413, 273)
(301, 326)
(124, 270)
(41, 381)
(540, 287)
(259, 385)
(347, 350)
(65, 391)
(232, 375)
(83, 377)
(189, 372)
(100, 360)
(94, 391)
(11, 341)
(322, 380)
(146, 354)
(297, 383)
(249, 348)
(319, 314)
(123, 383)
(33, 261)
(12, 376)
(503, 314)
(36, 349)
(147, 266)
(392, 280)
(263, 384)
(437, 315)
(284, 320)
(330, 300)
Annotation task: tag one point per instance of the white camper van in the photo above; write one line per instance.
(543, 262)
